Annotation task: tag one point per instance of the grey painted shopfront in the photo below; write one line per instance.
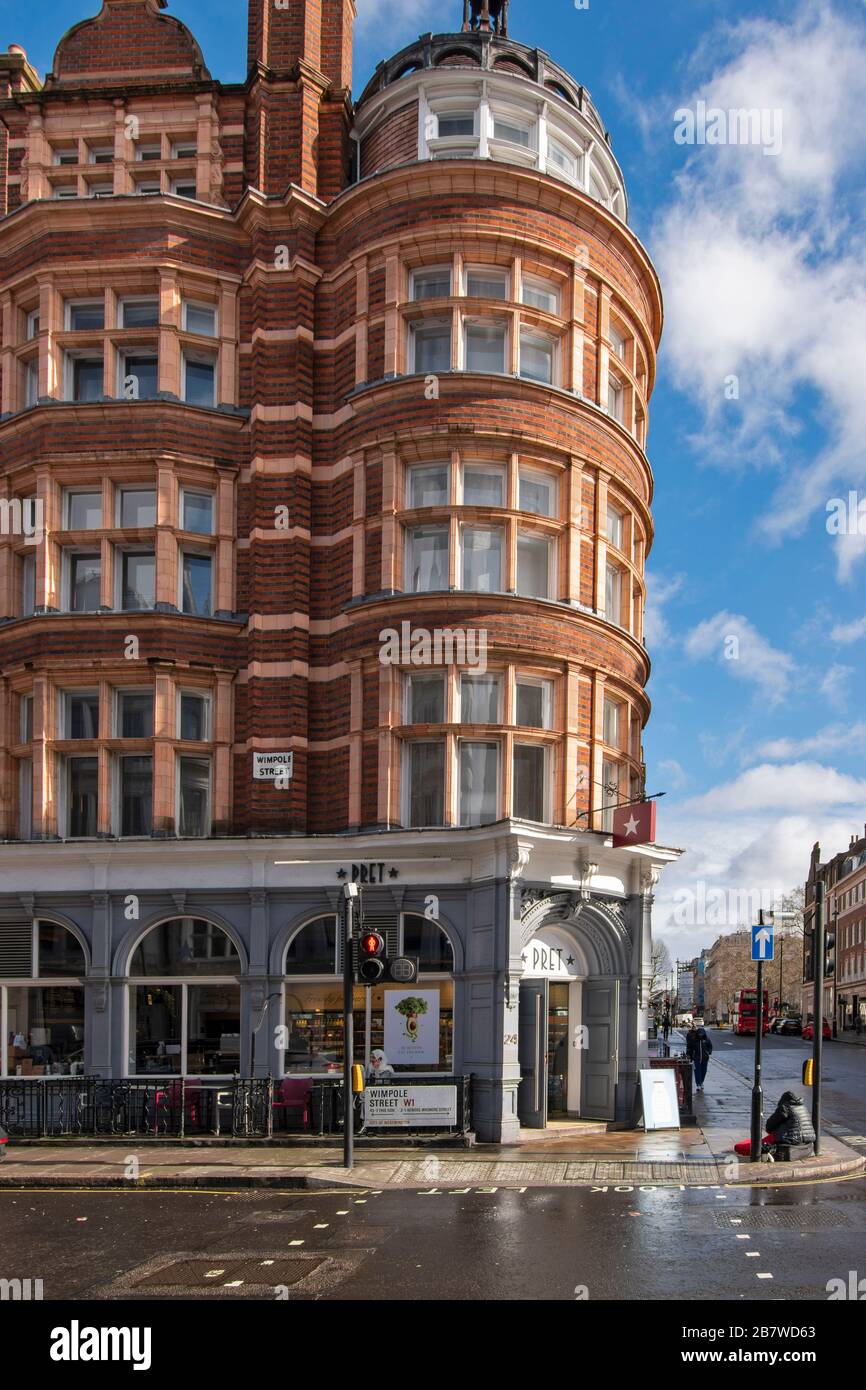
(534, 947)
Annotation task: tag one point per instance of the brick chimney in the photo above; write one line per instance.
(300, 65)
(16, 74)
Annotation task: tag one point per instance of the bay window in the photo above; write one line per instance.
(537, 493)
(193, 797)
(199, 318)
(616, 399)
(484, 282)
(614, 527)
(137, 580)
(613, 594)
(81, 797)
(534, 704)
(196, 582)
(424, 764)
(84, 378)
(427, 559)
(612, 711)
(135, 714)
(529, 782)
(480, 700)
(484, 347)
(479, 782)
(425, 700)
(84, 582)
(82, 511)
(483, 486)
(139, 313)
(481, 560)
(28, 584)
(433, 282)
(533, 566)
(199, 379)
(430, 347)
(428, 487)
(136, 509)
(540, 294)
(138, 376)
(135, 795)
(198, 512)
(193, 717)
(537, 358)
(79, 714)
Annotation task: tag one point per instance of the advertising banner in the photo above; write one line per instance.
(411, 1026)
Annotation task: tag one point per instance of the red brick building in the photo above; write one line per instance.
(325, 513)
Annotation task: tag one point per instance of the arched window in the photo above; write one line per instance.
(313, 949)
(426, 941)
(185, 1021)
(313, 1002)
(42, 970)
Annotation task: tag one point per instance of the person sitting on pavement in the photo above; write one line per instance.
(788, 1127)
(699, 1049)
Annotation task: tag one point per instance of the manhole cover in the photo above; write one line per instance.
(781, 1219)
(203, 1274)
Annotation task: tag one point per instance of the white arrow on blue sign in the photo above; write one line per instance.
(763, 942)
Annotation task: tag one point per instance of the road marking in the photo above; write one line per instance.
(345, 1212)
(752, 1254)
(742, 1237)
(487, 1189)
(296, 1242)
(233, 1284)
(765, 1276)
(321, 1226)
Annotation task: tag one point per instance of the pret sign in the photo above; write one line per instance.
(413, 1107)
(271, 767)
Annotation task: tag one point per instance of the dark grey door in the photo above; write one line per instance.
(600, 1061)
(532, 1054)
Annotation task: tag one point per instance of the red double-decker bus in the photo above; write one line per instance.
(746, 1011)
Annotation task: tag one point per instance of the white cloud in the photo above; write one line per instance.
(834, 685)
(398, 17)
(660, 591)
(677, 775)
(770, 253)
(851, 737)
(748, 839)
(849, 632)
(738, 646)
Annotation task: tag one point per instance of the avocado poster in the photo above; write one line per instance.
(412, 1026)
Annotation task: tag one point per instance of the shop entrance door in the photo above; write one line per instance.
(532, 1054)
(557, 1050)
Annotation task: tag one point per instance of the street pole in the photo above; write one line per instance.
(350, 892)
(817, 1009)
(757, 1092)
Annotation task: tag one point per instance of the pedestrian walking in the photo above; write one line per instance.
(666, 1027)
(699, 1049)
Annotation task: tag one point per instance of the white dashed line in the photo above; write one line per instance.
(752, 1254)
(765, 1276)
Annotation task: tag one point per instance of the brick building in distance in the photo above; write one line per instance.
(325, 513)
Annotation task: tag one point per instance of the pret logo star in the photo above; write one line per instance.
(630, 827)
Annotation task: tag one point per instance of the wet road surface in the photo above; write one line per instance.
(476, 1244)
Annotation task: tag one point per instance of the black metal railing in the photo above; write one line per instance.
(238, 1108)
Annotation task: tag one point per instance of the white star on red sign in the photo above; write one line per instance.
(631, 826)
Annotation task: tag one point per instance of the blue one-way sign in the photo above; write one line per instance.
(763, 942)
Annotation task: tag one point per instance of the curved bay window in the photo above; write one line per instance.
(43, 966)
(414, 1021)
(185, 1020)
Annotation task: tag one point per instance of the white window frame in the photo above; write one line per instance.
(118, 694)
(202, 758)
(617, 540)
(526, 334)
(546, 687)
(148, 143)
(57, 157)
(496, 530)
(25, 816)
(407, 555)
(524, 534)
(139, 299)
(547, 763)
(205, 697)
(176, 185)
(418, 326)
(119, 495)
(65, 785)
(64, 711)
(128, 351)
(412, 676)
(31, 321)
(119, 552)
(471, 321)
(618, 341)
(65, 192)
(31, 382)
(414, 471)
(25, 702)
(100, 190)
(202, 358)
(615, 399)
(488, 272)
(201, 553)
(540, 479)
(617, 719)
(498, 743)
(198, 492)
(422, 271)
(538, 285)
(28, 581)
(71, 304)
(494, 678)
(70, 357)
(202, 305)
(185, 148)
(406, 779)
(479, 466)
(66, 577)
(66, 497)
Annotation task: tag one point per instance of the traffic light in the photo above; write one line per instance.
(371, 965)
(830, 951)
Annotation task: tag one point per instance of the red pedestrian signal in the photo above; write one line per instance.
(371, 949)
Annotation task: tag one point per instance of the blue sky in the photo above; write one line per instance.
(757, 623)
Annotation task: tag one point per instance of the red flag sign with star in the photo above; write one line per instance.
(634, 825)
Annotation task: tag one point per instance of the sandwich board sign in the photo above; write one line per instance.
(661, 1107)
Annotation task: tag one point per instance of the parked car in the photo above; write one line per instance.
(774, 1021)
(809, 1031)
(793, 1026)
